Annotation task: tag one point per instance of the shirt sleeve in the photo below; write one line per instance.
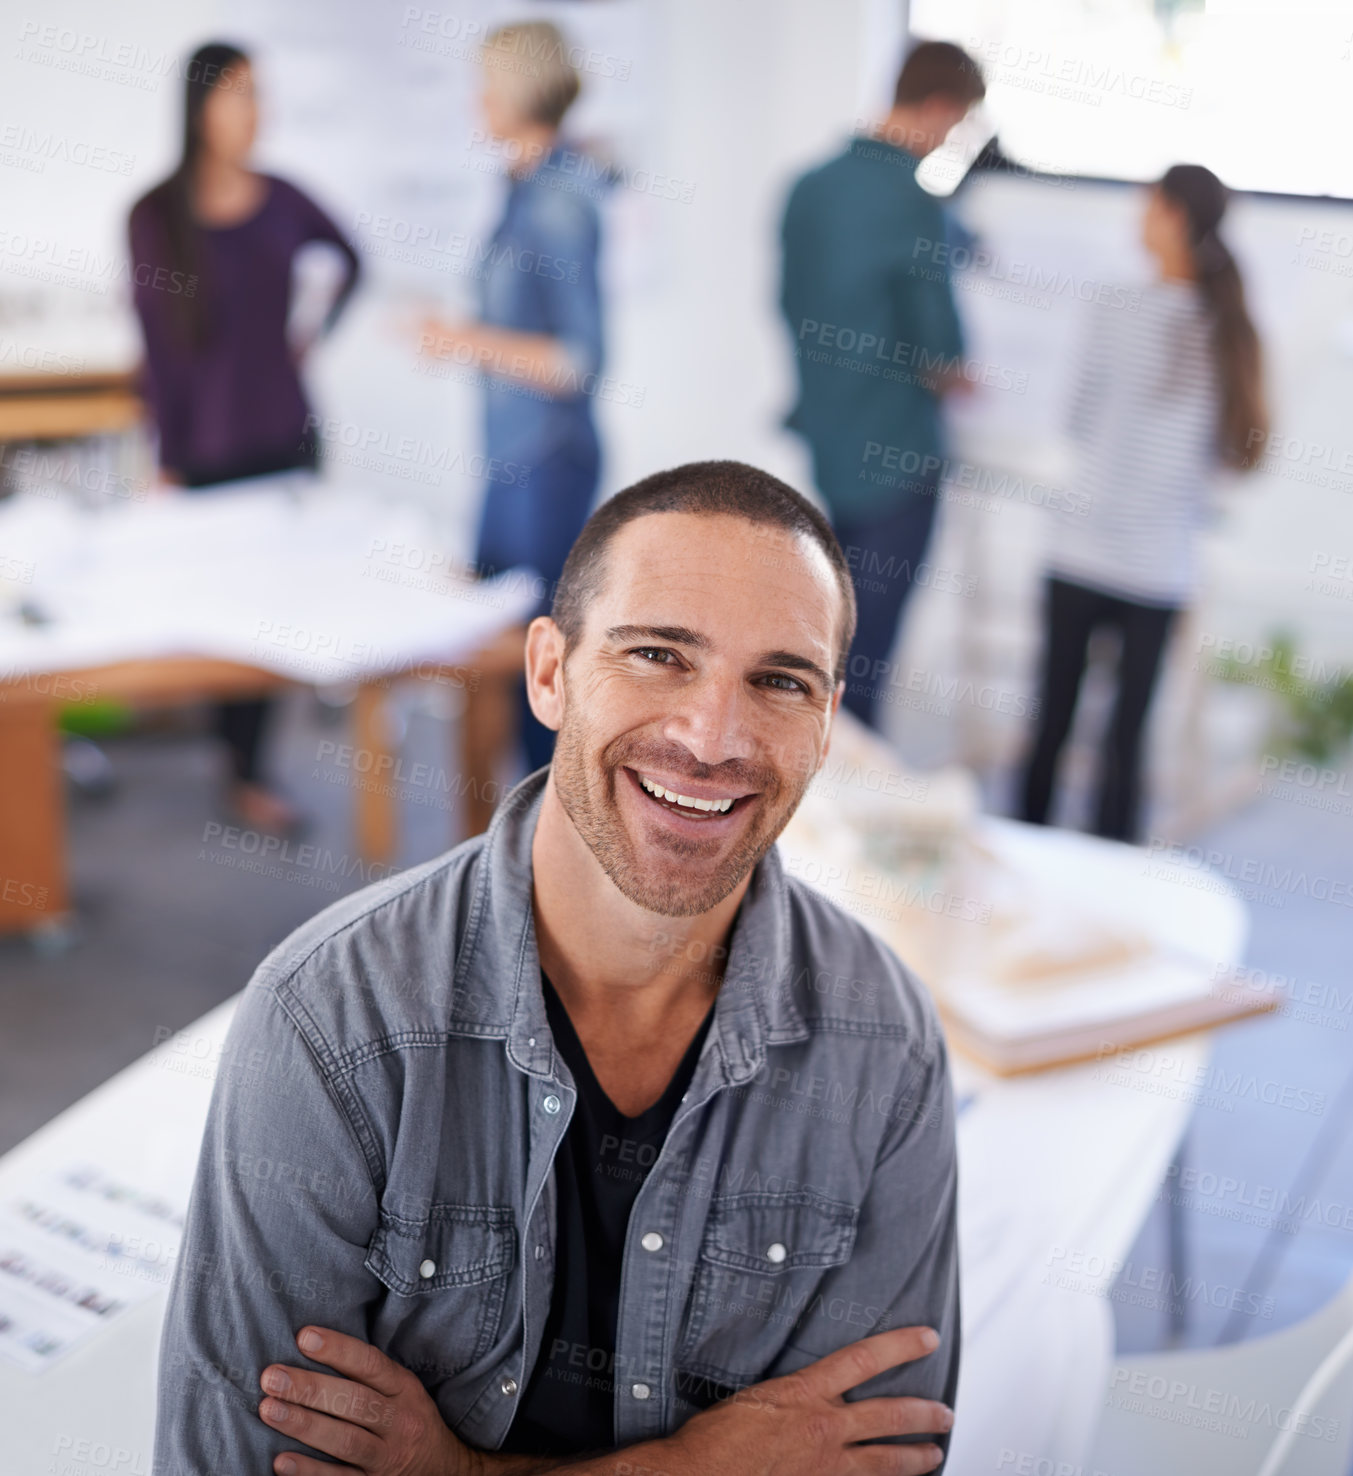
(163, 383)
(567, 247)
(282, 1212)
(928, 315)
(315, 225)
(903, 1269)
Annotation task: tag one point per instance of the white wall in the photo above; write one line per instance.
(732, 99)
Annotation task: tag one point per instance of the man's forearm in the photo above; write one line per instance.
(650, 1458)
(516, 1465)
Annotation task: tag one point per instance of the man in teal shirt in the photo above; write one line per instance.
(866, 293)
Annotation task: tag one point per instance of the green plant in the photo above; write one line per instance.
(1317, 714)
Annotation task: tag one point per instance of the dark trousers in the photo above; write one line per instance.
(534, 523)
(241, 725)
(884, 553)
(1071, 612)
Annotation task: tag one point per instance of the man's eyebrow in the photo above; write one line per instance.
(676, 635)
(794, 662)
(683, 635)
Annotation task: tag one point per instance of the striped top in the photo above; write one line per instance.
(1143, 419)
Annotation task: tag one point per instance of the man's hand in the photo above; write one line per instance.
(380, 1421)
(377, 1418)
(799, 1425)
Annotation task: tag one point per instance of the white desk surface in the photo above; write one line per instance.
(289, 573)
(1055, 1165)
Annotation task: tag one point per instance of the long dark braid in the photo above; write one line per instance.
(1239, 358)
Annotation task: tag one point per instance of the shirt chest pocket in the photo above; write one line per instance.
(760, 1264)
(447, 1275)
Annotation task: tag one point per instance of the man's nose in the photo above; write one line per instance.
(711, 720)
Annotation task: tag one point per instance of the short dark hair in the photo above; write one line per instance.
(940, 67)
(707, 488)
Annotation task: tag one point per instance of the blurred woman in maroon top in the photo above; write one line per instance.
(212, 247)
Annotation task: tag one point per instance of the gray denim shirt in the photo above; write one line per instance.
(384, 1122)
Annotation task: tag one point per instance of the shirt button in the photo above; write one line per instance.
(652, 1241)
(428, 1268)
(776, 1253)
(551, 1104)
(508, 1385)
(640, 1391)
(540, 1253)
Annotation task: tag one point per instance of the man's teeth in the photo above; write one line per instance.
(685, 800)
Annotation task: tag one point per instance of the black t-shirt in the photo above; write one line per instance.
(601, 1165)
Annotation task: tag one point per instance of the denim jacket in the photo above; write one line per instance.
(541, 276)
(384, 1121)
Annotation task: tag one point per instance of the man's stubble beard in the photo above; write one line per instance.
(595, 813)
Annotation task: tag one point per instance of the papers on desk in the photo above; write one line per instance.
(77, 1248)
(289, 574)
(1040, 947)
(1010, 1028)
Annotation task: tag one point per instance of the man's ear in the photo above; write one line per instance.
(545, 671)
(831, 720)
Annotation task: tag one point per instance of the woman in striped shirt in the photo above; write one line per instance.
(1166, 396)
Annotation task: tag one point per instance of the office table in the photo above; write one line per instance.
(60, 407)
(1057, 1172)
(232, 592)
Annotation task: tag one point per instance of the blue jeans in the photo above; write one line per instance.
(535, 523)
(884, 552)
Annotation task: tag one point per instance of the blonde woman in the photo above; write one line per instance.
(538, 347)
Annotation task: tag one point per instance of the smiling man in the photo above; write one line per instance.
(553, 1153)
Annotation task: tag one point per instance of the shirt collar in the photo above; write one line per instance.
(497, 989)
(879, 150)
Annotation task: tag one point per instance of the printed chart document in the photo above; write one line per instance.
(78, 1246)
